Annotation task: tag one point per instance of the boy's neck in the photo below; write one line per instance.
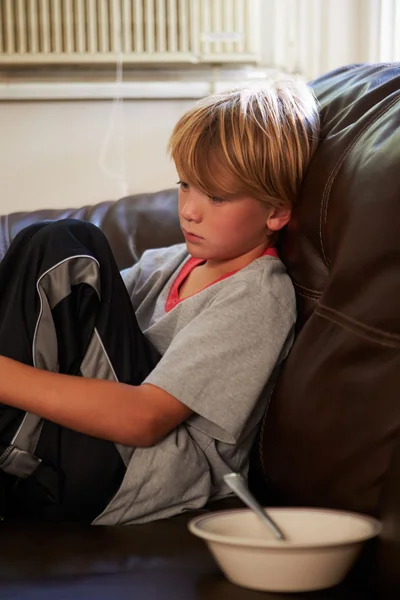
(222, 267)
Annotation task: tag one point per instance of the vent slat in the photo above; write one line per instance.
(126, 26)
(239, 23)
(91, 25)
(33, 34)
(115, 28)
(227, 20)
(21, 27)
(9, 26)
(172, 24)
(79, 26)
(149, 25)
(68, 27)
(44, 26)
(103, 26)
(56, 27)
(138, 25)
(161, 29)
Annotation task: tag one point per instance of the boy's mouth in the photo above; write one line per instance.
(190, 236)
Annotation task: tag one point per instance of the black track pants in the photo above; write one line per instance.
(64, 308)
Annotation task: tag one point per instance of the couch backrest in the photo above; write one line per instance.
(132, 224)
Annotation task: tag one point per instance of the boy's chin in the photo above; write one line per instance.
(195, 252)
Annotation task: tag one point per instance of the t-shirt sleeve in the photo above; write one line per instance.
(138, 275)
(151, 271)
(221, 361)
(130, 276)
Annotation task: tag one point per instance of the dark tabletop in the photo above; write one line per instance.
(153, 561)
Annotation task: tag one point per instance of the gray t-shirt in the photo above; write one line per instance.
(221, 349)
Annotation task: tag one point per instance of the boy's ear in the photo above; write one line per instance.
(278, 218)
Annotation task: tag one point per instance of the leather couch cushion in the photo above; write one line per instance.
(132, 224)
(330, 429)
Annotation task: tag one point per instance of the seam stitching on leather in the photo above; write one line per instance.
(306, 289)
(325, 196)
(308, 296)
(366, 331)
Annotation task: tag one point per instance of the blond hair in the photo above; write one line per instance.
(253, 141)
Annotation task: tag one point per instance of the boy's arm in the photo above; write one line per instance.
(125, 414)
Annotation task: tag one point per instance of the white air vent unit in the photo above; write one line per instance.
(70, 32)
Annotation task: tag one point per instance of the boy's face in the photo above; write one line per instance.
(223, 229)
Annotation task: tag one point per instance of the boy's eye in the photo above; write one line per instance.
(184, 185)
(216, 199)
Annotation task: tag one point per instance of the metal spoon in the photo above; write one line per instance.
(238, 485)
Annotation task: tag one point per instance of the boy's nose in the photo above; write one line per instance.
(190, 210)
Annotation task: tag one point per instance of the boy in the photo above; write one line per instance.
(215, 315)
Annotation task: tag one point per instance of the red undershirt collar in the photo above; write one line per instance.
(173, 296)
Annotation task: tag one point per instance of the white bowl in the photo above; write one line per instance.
(321, 547)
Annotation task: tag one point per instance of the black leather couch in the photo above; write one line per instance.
(329, 437)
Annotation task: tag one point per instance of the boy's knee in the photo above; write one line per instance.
(68, 226)
(65, 230)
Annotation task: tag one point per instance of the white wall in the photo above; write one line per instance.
(49, 151)
(312, 37)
